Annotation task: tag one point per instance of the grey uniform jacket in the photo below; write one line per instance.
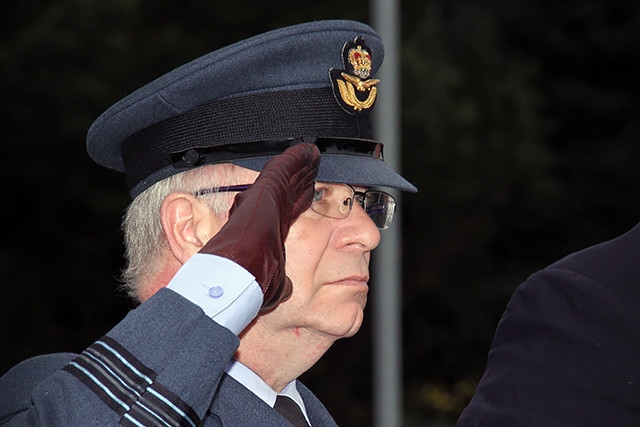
(162, 365)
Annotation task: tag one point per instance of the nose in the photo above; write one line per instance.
(358, 231)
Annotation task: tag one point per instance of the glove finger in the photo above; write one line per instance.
(277, 295)
(295, 163)
(302, 162)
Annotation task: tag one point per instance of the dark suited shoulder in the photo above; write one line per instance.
(615, 264)
(566, 350)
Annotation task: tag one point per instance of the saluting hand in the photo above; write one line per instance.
(261, 216)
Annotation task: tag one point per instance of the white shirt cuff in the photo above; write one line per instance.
(226, 292)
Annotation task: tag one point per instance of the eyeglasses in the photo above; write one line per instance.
(336, 201)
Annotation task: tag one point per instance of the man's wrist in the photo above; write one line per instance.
(225, 291)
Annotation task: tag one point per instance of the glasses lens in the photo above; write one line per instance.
(380, 207)
(334, 201)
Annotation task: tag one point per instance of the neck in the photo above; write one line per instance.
(282, 356)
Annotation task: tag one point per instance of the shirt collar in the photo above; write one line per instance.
(257, 386)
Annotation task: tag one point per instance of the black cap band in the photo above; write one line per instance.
(194, 157)
(267, 116)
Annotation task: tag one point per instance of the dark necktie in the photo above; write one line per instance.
(291, 411)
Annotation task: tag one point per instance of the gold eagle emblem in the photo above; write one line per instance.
(348, 87)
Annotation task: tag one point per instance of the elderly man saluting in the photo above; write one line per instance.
(254, 177)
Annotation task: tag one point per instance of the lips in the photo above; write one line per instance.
(352, 280)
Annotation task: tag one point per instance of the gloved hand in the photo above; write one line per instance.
(260, 218)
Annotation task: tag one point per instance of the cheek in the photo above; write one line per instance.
(304, 248)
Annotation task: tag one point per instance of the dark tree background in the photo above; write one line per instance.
(520, 128)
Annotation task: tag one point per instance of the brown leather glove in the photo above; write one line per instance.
(260, 218)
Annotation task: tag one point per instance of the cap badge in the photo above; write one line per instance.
(353, 88)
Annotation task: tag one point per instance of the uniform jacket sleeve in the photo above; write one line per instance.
(161, 365)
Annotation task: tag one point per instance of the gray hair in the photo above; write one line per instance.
(143, 234)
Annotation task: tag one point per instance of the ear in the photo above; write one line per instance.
(187, 224)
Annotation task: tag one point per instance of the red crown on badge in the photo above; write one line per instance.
(353, 88)
(360, 60)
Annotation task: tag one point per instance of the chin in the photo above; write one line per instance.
(351, 323)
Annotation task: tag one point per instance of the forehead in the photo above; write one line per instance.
(338, 185)
(226, 172)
